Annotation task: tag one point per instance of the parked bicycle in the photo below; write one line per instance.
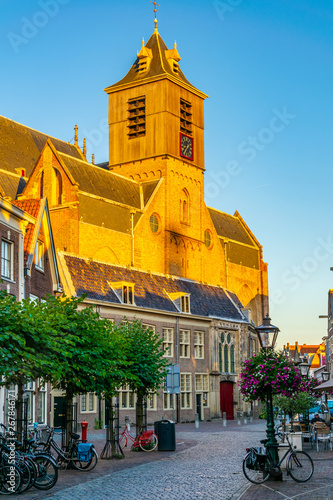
(73, 458)
(30, 467)
(258, 464)
(146, 440)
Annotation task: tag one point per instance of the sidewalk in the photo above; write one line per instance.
(191, 442)
(319, 487)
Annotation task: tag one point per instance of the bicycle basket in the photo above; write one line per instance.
(84, 452)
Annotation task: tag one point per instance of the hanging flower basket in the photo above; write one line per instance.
(272, 369)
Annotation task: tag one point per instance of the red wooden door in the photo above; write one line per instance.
(227, 399)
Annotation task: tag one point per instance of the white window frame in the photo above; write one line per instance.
(128, 294)
(87, 398)
(186, 391)
(168, 336)
(7, 260)
(42, 392)
(185, 304)
(127, 398)
(39, 256)
(145, 326)
(168, 399)
(184, 343)
(199, 344)
(202, 387)
(152, 402)
(29, 389)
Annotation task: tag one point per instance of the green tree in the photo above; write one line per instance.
(148, 365)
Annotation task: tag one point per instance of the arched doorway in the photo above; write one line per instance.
(227, 399)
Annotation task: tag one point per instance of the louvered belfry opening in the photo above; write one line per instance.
(137, 117)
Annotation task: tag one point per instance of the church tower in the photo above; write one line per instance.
(156, 131)
(154, 111)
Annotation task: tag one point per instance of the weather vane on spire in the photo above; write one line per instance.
(155, 10)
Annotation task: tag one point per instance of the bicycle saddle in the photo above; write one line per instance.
(74, 436)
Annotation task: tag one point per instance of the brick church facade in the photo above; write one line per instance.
(135, 234)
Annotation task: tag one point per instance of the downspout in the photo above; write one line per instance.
(225, 241)
(132, 212)
(177, 363)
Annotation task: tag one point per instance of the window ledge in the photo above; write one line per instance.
(8, 280)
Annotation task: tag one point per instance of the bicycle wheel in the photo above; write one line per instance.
(47, 472)
(122, 441)
(253, 471)
(148, 443)
(300, 466)
(85, 466)
(10, 479)
(25, 471)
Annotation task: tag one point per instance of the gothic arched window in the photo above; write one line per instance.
(58, 198)
(185, 207)
(226, 358)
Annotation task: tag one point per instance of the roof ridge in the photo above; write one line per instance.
(221, 212)
(168, 276)
(11, 173)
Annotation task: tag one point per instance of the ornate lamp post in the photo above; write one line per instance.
(267, 335)
(304, 367)
(325, 378)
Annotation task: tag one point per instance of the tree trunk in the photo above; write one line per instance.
(69, 417)
(19, 409)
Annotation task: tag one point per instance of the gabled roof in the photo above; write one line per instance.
(38, 209)
(20, 146)
(230, 227)
(158, 67)
(151, 291)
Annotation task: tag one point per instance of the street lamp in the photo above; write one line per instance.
(267, 335)
(325, 376)
(304, 367)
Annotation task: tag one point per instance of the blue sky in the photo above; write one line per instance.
(267, 68)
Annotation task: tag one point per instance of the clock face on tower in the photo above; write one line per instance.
(186, 146)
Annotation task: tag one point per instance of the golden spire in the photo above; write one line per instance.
(76, 137)
(93, 159)
(85, 148)
(155, 10)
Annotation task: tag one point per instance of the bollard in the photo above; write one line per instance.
(245, 418)
(239, 416)
(224, 419)
(196, 419)
(84, 427)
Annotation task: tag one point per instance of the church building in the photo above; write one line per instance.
(134, 234)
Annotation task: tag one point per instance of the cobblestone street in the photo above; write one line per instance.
(209, 468)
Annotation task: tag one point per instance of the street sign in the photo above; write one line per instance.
(173, 380)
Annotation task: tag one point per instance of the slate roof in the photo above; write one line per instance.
(91, 278)
(20, 146)
(159, 67)
(105, 184)
(11, 184)
(229, 226)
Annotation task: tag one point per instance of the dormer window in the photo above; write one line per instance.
(173, 59)
(144, 58)
(128, 294)
(181, 300)
(124, 291)
(185, 304)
